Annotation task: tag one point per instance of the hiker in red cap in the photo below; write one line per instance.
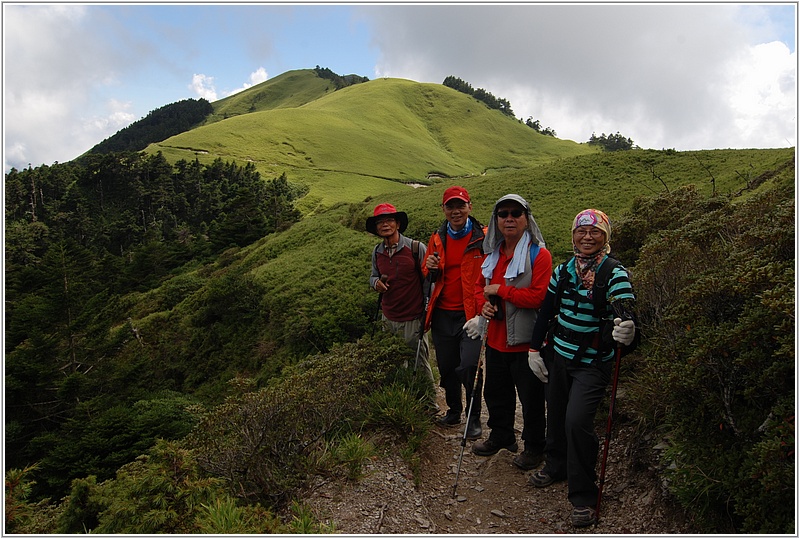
(397, 276)
(455, 254)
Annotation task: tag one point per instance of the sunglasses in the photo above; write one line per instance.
(516, 214)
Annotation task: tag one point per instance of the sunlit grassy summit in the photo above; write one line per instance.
(377, 136)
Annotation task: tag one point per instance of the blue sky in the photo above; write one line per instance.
(683, 76)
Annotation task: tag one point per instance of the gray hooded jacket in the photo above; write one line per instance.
(519, 321)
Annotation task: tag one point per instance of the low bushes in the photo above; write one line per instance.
(715, 285)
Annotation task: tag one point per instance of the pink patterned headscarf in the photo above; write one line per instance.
(597, 219)
(586, 265)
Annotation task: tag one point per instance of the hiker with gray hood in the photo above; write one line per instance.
(511, 287)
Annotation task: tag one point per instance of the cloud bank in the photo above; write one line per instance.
(680, 76)
(683, 76)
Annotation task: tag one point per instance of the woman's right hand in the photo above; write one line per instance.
(536, 363)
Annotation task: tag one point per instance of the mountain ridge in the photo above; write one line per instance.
(387, 129)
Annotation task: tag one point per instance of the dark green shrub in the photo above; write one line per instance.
(266, 443)
(715, 286)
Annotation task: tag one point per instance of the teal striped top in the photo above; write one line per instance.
(576, 313)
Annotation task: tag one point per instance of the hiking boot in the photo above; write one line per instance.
(490, 447)
(583, 516)
(528, 460)
(541, 479)
(449, 419)
(474, 429)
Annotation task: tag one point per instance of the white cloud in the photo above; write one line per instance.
(256, 77)
(54, 65)
(762, 94)
(116, 117)
(203, 86)
(659, 74)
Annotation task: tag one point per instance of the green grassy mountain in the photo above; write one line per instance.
(132, 318)
(289, 90)
(378, 136)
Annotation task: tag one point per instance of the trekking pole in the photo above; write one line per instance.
(619, 313)
(471, 401)
(432, 275)
(380, 300)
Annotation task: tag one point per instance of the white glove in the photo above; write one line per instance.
(536, 363)
(623, 331)
(474, 327)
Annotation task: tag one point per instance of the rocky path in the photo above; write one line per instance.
(493, 496)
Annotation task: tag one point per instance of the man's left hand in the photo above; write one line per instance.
(490, 290)
(474, 326)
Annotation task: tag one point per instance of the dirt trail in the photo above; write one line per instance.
(493, 495)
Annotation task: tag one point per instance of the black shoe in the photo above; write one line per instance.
(474, 429)
(490, 447)
(528, 460)
(449, 419)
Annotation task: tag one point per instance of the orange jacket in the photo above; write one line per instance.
(470, 268)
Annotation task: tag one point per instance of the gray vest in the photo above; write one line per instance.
(519, 321)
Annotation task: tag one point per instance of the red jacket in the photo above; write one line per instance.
(471, 261)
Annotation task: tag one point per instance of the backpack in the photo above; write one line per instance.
(600, 304)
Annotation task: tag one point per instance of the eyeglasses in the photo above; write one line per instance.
(516, 214)
(594, 232)
(383, 220)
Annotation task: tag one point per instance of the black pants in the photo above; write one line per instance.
(574, 392)
(457, 359)
(508, 376)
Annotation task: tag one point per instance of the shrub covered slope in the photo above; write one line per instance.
(189, 302)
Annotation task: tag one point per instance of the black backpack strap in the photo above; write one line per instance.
(599, 303)
(424, 281)
(563, 279)
(415, 253)
(600, 289)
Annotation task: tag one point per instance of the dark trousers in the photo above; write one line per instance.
(574, 392)
(457, 359)
(508, 376)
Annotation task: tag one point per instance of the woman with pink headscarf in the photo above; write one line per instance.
(578, 362)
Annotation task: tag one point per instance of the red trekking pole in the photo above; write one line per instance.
(619, 313)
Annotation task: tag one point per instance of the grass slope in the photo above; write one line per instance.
(608, 181)
(288, 90)
(315, 274)
(360, 136)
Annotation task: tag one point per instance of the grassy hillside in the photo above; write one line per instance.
(559, 190)
(357, 138)
(148, 355)
(288, 90)
(328, 253)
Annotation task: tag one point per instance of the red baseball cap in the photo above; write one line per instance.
(455, 192)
